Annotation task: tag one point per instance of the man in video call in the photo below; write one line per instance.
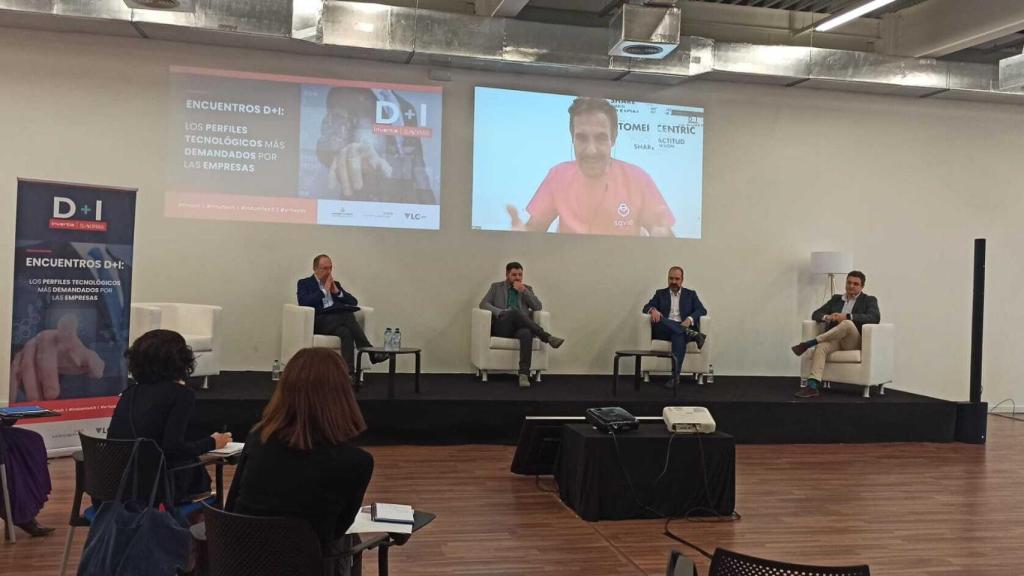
(511, 304)
(844, 316)
(366, 166)
(335, 310)
(595, 193)
(675, 316)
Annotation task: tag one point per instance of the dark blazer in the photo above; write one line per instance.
(865, 310)
(307, 292)
(324, 486)
(689, 304)
(165, 412)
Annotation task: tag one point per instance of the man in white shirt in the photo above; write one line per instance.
(335, 309)
(843, 315)
(675, 316)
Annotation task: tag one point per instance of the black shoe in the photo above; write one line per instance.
(555, 341)
(34, 529)
(807, 392)
(697, 337)
(799, 349)
(378, 357)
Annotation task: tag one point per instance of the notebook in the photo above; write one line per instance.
(230, 449)
(25, 411)
(392, 513)
(363, 524)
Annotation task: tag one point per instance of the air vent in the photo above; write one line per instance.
(644, 32)
(166, 5)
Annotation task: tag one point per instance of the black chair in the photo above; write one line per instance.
(729, 563)
(98, 471)
(242, 545)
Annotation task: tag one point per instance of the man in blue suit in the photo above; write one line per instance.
(675, 316)
(335, 310)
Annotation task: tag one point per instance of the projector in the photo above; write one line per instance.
(688, 419)
(612, 420)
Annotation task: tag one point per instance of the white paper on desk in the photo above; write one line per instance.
(230, 449)
(364, 524)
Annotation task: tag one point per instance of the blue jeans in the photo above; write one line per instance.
(674, 332)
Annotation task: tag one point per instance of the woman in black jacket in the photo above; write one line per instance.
(298, 461)
(161, 407)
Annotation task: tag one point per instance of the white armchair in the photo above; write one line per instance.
(199, 324)
(144, 318)
(297, 330)
(695, 361)
(494, 354)
(872, 365)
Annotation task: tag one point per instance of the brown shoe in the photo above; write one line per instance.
(807, 393)
(799, 349)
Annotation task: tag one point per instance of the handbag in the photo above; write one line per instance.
(131, 537)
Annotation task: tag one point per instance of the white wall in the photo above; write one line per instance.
(905, 184)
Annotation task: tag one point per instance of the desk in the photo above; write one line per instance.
(392, 354)
(591, 480)
(218, 462)
(361, 542)
(638, 355)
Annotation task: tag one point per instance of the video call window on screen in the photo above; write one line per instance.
(586, 165)
(274, 148)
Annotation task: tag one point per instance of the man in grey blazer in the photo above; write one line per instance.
(844, 316)
(511, 304)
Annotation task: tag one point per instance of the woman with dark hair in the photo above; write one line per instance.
(298, 461)
(159, 406)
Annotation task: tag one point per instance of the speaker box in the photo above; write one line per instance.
(971, 422)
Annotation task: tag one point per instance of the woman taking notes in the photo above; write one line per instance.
(159, 406)
(298, 461)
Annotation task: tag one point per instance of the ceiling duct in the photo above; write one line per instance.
(644, 32)
(389, 33)
(1011, 73)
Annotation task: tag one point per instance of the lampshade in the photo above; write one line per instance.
(831, 262)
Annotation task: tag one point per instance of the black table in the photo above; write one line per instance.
(590, 473)
(392, 355)
(639, 354)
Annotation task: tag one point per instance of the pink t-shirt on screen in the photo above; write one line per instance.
(625, 200)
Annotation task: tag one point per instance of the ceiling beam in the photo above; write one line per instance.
(939, 27)
(499, 8)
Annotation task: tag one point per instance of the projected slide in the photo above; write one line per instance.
(575, 165)
(270, 148)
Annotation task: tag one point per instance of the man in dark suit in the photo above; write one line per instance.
(511, 304)
(844, 316)
(335, 310)
(675, 316)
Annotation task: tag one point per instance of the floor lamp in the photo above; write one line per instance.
(830, 264)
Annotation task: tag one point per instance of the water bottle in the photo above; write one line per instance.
(275, 371)
(389, 339)
(398, 339)
(710, 378)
